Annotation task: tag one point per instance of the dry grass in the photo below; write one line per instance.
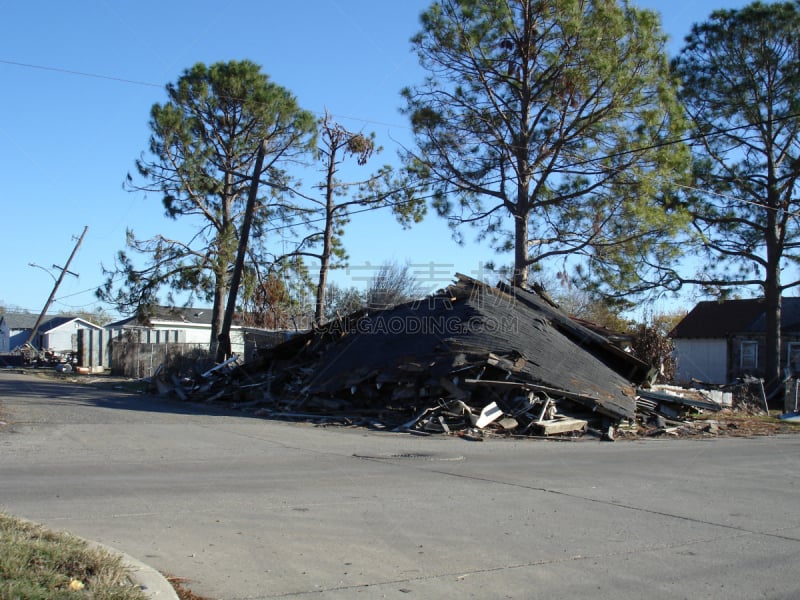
(38, 564)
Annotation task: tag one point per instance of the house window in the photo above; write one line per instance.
(793, 358)
(749, 355)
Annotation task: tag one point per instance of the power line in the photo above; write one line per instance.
(78, 73)
(161, 86)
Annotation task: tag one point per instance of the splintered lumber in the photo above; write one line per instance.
(687, 398)
(589, 401)
(503, 363)
(545, 406)
(221, 365)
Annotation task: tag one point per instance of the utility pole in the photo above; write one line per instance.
(64, 271)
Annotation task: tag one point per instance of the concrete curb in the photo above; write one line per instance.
(150, 581)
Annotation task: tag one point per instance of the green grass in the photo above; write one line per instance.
(38, 564)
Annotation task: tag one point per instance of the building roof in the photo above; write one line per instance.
(169, 314)
(26, 320)
(790, 317)
(713, 319)
(184, 315)
(21, 320)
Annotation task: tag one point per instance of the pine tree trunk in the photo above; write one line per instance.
(520, 277)
(327, 241)
(319, 310)
(772, 300)
(217, 316)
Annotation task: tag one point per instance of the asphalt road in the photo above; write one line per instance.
(247, 508)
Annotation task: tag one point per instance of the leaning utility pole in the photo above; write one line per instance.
(64, 271)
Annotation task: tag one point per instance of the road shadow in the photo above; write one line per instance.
(49, 387)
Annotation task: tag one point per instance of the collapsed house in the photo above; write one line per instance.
(469, 360)
(466, 358)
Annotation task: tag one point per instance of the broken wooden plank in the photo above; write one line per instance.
(220, 394)
(561, 425)
(444, 425)
(545, 406)
(596, 404)
(232, 359)
(514, 366)
(535, 388)
(178, 387)
(687, 399)
(409, 424)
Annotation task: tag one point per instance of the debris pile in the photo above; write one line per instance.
(671, 404)
(738, 409)
(206, 384)
(469, 359)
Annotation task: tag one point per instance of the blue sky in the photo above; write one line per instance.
(78, 80)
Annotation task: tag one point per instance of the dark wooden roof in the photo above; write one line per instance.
(471, 320)
(790, 317)
(713, 319)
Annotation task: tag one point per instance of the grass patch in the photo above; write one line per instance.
(38, 564)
